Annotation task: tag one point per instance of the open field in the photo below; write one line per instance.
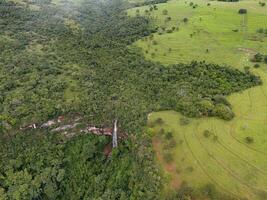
(208, 28)
(232, 155)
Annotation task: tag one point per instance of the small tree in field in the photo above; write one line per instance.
(165, 12)
(185, 20)
(249, 140)
(242, 11)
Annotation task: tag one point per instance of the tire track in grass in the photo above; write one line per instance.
(243, 143)
(263, 172)
(239, 141)
(221, 186)
(227, 169)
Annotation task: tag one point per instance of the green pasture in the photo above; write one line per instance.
(218, 34)
(208, 28)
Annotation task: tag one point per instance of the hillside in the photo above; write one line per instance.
(211, 153)
(69, 69)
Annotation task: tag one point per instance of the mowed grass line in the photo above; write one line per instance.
(240, 148)
(229, 149)
(221, 186)
(216, 169)
(232, 163)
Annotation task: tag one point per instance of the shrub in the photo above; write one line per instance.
(207, 133)
(185, 20)
(223, 111)
(262, 4)
(257, 57)
(242, 11)
(256, 65)
(168, 136)
(229, 0)
(205, 107)
(215, 138)
(159, 121)
(261, 30)
(249, 140)
(221, 99)
(168, 19)
(154, 42)
(165, 12)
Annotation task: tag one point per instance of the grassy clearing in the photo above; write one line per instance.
(231, 155)
(208, 28)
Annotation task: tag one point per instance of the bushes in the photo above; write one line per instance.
(223, 111)
(229, 0)
(242, 11)
(262, 4)
(249, 140)
(185, 20)
(219, 99)
(259, 58)
(262, 31)
(256, 66)
(207, 133)
(165, 12)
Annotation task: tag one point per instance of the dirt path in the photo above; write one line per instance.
(170, 168)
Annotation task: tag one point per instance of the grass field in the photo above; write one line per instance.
(223, 157)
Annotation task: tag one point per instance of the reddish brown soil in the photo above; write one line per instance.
(170, 168)
(108, 149)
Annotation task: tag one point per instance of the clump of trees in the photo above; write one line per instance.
(47, 70)
(262, 4)
(148, 2)
(208, 191)
(229, 0)
(193, 5)
(262, 31)
(259, 58)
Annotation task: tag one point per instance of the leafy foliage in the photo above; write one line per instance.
(75, 58)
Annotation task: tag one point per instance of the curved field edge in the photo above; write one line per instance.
(236, 166)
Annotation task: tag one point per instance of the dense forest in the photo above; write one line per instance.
(69, 57)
